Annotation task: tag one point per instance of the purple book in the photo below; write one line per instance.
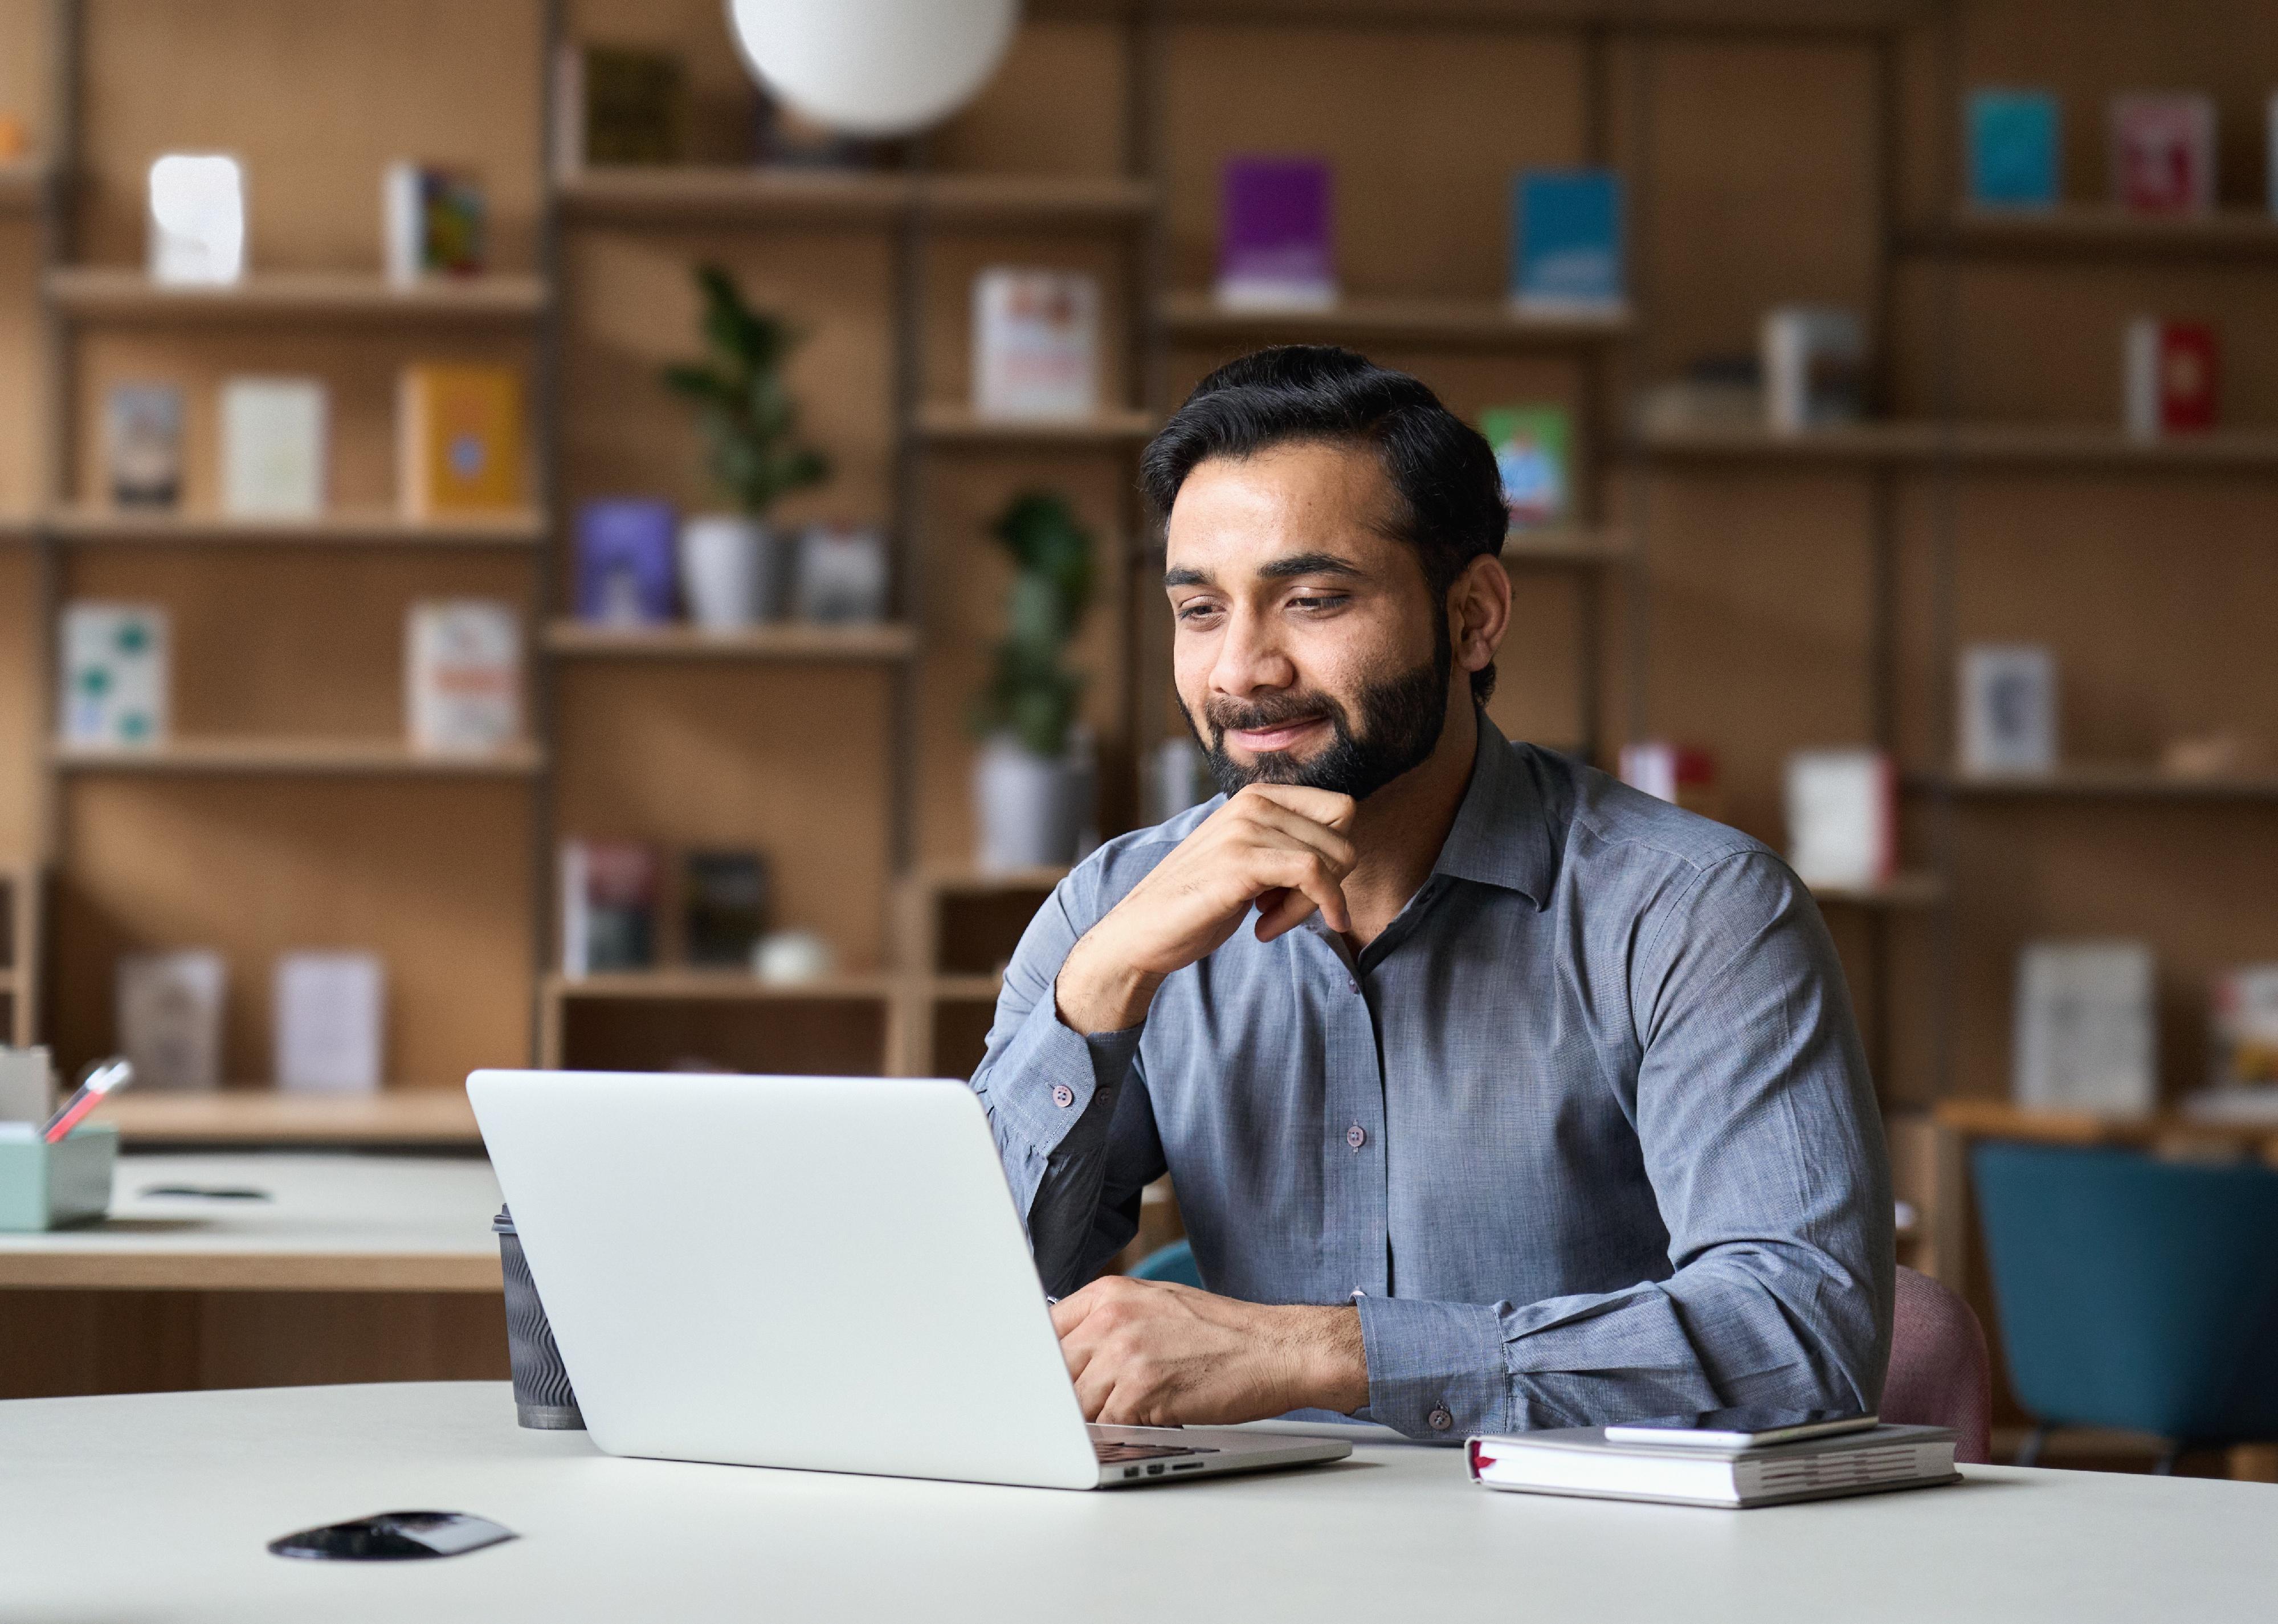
(625, 573)
(1274, 240)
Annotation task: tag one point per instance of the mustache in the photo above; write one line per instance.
(1236, 715)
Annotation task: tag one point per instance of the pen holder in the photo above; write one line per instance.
(46, 1186)
(542, 1398)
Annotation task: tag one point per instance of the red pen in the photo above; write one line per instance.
(100, 1079)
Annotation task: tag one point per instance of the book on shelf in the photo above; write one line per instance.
(1815, 368)
(626, 573)
(1531, 446)
(433, 222)
(1588, 1462)
(113, 686)
(2015, 153)
(462, 676)
(724, 897)
(2171, 373)
(2243, 1028)
(1566, 248)
(2163, 152)
(2009, 698)
(272, 447)
(459, 439)
(608, 906)
(330, 1010)
(1036, 343)
(143, 444)
(619, 104)
(27, 1083)
(2086, 1028)
(196, 223)
(169, 1017)
(1715, 393)
(1842, 817)
(842, 574)
(1682, 775)
(1275, 250)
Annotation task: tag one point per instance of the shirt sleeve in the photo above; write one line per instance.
(1760, 1132)
(1069, 1111)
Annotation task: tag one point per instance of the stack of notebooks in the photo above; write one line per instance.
(1709, 1460)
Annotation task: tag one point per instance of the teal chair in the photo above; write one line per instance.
(1174, 1263)
(2134, 1293)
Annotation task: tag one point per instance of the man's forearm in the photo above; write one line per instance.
(1098, 990)
(1333, 1359)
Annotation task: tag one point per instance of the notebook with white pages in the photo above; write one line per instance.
(1582, 1461)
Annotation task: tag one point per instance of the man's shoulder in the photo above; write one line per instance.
(1613, 831)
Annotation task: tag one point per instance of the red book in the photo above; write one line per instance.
(2163, 153)
(2172, 376)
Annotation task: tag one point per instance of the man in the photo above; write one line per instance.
(1496, 1095)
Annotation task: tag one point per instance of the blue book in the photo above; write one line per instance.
(625, 561)
(2013, 148)
(1566, 241)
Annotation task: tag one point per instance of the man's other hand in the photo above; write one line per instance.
(1284, 847)
(1149, 1354)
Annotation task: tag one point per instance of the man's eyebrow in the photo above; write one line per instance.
(1185, 578)
(1308, 563)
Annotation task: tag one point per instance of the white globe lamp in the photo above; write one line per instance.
(873, 67)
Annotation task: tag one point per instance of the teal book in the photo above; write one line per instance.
(1566, 251)
(2012, 149)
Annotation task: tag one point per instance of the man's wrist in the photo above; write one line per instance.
(1098, 990)
(1332, 1361)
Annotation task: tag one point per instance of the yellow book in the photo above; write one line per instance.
(460, 433)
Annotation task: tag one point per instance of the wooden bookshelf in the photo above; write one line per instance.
(942, 423)
(691, 195)
(113, 293)
(2052, 448)
(2103, 780)
(584, 639)
(23, 932)
(674, 986)
(92, 526)
(2101, 232)
(1566, 547)
(1439, 323)
(23, 184)
(295, 757)
(1901, 892)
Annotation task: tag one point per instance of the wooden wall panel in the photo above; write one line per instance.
(317, 100)
(22, 718)
(23, 429)
(24, 64)
(1054, 107)
(432, 875)
(791, 759)
(723, 109)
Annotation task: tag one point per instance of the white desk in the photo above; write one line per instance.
(156, 1507)
(334, 1223)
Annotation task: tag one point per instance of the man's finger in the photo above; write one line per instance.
(1325, 807)
(1071, 1311)
(1317, 836)
(1308, 876)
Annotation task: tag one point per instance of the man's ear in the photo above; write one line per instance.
(1478, 612)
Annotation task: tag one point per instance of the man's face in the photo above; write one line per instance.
(1308, 647)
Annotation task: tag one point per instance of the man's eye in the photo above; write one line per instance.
(1315, 602)
(1194, 612)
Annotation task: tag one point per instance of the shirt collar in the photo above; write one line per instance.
(1500, 835)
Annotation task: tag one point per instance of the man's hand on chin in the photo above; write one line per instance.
(1148, 1354)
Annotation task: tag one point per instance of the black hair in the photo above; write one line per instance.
(1443, 470)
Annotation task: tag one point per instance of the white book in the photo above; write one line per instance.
(27, 1084)
(272, 447)
(2086, 1028)
(1583, 1461)
(1842, 817)
(2008, 721)
(1815, 368)
(113, 680)
(462, 676)
(197, 218)
(330, 1010)
(1036, 343)
(169, 1017)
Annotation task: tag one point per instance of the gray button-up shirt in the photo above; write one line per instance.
(1586, 1133)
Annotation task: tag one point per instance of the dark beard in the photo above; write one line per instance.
(1402, 718)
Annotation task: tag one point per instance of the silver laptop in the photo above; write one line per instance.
(824, 1273)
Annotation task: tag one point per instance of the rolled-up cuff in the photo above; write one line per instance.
(1435, 1370)
(1048, 1076)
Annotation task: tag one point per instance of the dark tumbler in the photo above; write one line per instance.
(542, 1398)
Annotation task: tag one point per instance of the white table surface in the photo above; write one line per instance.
(157, 1506)
(335, 1224)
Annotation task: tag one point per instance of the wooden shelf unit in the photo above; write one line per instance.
(23, 186)
(295, 757)
(1462, 323)
(942, 423)
(116, 294)
(23, 914)
(92, 526)
(1920, 889)
(692, 196)
(2104, 781)
(584, 639)
(2100, 231)
(1567, 546)
(2055, 447)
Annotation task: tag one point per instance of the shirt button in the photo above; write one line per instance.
(1356, 1135)
(1063, 1095)
(1352, 986)
(1440, 1420)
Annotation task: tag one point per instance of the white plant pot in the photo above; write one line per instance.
(726, 571)
(1029, 810)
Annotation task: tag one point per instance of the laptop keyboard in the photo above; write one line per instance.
(1116, 1454)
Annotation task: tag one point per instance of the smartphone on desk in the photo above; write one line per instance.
(1744, 1428)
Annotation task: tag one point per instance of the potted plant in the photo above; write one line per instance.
(728, 572)
(1032, 782)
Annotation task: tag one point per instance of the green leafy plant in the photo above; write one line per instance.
(1030, 694)
(750, 422)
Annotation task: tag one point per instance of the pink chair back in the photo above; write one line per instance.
(1940, 1375)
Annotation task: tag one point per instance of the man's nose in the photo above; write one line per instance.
(1251, 657)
